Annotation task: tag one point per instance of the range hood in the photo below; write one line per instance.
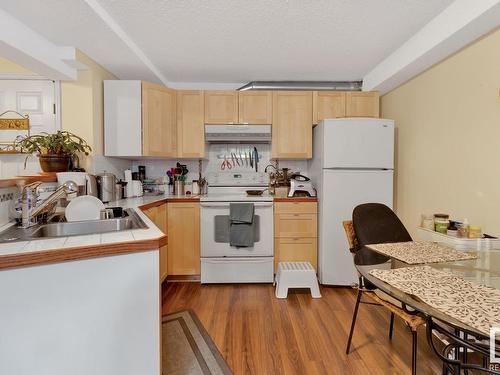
(303, 85)
(238, 133)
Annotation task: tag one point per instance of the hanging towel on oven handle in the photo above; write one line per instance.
(241, 232)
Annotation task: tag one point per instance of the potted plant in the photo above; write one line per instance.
(54, 150)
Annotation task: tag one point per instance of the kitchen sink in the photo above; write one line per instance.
(59, 228)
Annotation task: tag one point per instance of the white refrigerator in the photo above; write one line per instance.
(353, 163)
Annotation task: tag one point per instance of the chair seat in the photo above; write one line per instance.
(386, 297)
(413, 321)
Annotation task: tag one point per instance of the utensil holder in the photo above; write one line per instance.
(178, 188)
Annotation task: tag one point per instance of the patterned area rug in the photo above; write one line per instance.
(187, 347)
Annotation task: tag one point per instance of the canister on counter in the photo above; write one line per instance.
(441, 222)
(475, 231)
(427, 221)
(452, 229)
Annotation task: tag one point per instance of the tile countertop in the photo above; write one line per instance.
(16, 254)
(52, 250)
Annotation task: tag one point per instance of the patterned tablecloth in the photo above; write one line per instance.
(421, 252)
(474, 304)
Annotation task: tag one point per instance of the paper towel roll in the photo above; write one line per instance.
(128, 175)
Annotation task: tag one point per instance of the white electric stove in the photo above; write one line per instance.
(221, 262)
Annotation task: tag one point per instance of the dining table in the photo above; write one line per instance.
(459, 338)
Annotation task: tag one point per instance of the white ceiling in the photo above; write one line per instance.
(230, 40)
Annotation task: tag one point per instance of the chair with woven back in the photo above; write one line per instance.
(376, 223)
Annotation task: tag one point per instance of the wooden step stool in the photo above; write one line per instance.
(296, 275)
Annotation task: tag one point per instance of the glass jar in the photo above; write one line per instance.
(463, 229)
(427, 222)
(475, 231)
(441, 222)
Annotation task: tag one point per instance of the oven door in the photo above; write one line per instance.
(212, 245)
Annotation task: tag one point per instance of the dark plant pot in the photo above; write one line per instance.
(54, 163)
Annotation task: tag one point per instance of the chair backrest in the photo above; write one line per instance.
(351, 236)
(376, 223)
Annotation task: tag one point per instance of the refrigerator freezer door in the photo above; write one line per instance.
(343, 190)
(359, 143)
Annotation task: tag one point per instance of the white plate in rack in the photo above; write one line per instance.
(85, 207)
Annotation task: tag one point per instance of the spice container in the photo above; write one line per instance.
(475, 231)
(452, 229)
(441, 222)
(463, 229)
(427, 221)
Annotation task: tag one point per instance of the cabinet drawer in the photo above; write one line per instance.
(296, 207)
(295, 225)
(296, 250)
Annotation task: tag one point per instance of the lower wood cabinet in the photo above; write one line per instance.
(296, 249)
(158, 215)
(183, 229)
(295, 232)
(296, 225)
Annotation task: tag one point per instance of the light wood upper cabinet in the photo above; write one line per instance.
(190, 124)
(328, 104)
(255, 107)
(292, 130)
(221, 107)
(362, 104)
(159, 128)
(183, 238)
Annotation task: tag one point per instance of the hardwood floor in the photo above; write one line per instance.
(259, 334)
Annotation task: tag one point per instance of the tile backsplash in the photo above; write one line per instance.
(158, 167)
(13, 165)
(6, 197)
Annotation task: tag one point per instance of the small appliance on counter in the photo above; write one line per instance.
(301, 185)
(121, 190)
(136, 188)
(106, 187)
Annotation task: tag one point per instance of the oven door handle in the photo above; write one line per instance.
(226, 204)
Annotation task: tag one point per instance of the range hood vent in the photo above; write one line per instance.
(303, 85)
(238, 133)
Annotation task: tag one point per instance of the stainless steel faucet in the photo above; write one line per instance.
(29, 197)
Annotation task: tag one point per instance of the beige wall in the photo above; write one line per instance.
(448, 131)
(82, 104)
(10, 67)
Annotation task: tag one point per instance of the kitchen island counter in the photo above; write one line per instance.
(65, 300)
